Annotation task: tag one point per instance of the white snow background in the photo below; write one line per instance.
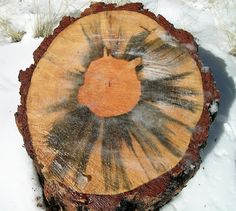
(212, 22)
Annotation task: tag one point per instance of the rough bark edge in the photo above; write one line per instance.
(156, 193)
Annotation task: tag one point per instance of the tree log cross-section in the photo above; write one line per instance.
(115, 110)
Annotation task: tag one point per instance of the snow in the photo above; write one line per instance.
(205, 69)
(213, 107)
(18, 180)
(211, 22)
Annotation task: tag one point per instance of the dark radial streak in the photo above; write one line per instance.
(164, 90)
(115, 44)
(111, 151)
(163, 47)
(163, 53)
(181, 103)
(167, 60)
(171, 50)
(152, 45)
(89, 40)
(145, 145)
(137, 44)
(64, 138)
(141, 134)
(122, 131)
(65, 104)
(176, 59)
(176, 76)
(155, 123)
(171, 100)
(66, 158)
(149, 47)
(140, 163)
(181, 91)
(96, 46)
(145, 29)
(74, 121)
(76, 77)
(165, 116)
(177, 92)
(120, 169)
(164, 140)
(91, 136)
(124, 134)
(106, 158)
(71, 103)
(137, 40)
(98, 40)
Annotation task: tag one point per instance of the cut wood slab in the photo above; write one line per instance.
(115, 110)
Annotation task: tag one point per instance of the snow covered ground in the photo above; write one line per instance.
(212, 22)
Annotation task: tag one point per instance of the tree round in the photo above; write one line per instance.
(115, 110)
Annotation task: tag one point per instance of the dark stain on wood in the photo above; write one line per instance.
(95, 43)
(111, 157)
(75, 135)
(165, 90)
